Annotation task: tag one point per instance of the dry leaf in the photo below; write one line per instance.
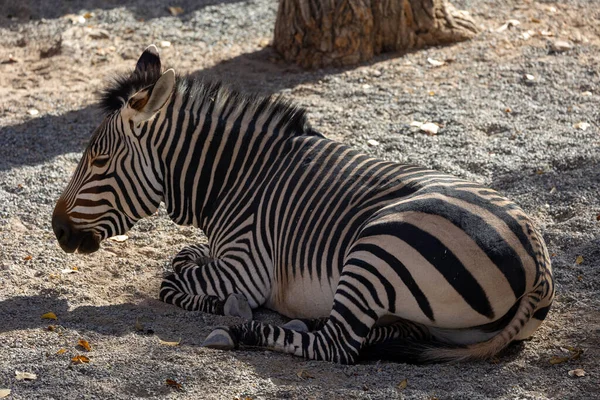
(435, 62)
(175, 11)
(79, 359)
(169, 343)
(21, 376)
(49, 315)
(61, 351)
(27, 258)
(173, 383)
(85, 344)
(119, 238)
(88, 15)
(579, 260)
(559, 360)
(4, 393)
(402, 385)
(304, 374)
(575, 354)
(577, 372)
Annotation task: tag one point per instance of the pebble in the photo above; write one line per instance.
(430, 128)
(560, 46)
(33, 112)
(372, 142)
(581, 126)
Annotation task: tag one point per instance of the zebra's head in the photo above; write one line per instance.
(117, 182)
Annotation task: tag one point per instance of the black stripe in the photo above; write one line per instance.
(483, 234)
(402, 272)
(442, 258)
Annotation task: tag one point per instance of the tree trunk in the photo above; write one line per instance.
(319, 33)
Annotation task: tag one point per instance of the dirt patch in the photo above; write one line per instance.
(510, 107)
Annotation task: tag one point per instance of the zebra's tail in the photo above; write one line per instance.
(434, 351)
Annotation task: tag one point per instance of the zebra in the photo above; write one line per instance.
(370, 259)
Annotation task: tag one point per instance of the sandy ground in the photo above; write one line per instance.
(522, 136)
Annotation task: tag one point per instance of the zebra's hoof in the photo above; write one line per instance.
(219, 339)
(236, 305)
(296, 325)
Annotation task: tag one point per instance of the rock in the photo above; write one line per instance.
(98, 34)
(372, 142)
(559, 46)
(435, 63)
(429, 128)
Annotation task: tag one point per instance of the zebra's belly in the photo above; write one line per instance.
(302, 296)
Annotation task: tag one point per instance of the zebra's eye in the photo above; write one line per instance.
(100, 161)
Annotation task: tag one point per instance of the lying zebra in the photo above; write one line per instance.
(375, 259)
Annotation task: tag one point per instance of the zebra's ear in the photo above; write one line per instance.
(145, 104)
(149, 62)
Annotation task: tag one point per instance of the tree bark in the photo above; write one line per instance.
(320, 33)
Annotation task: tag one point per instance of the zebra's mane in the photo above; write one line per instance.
(122, 87)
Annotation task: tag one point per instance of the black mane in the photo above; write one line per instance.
(122, 87)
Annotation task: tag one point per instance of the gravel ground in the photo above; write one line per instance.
(522, 136)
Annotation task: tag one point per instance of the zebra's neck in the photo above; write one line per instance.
(212, 142)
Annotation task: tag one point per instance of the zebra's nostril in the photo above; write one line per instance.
(61, 229)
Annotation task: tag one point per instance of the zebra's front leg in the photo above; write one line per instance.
(339, 339)
(200, 288)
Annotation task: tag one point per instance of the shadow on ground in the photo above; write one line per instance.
(39, 139)
(14, 12)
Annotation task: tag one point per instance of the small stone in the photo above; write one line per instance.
(98, 34)
(581, 126)
(33, 112)
(509, 24)
(435, 63)
(577, 372)
(586, 93)
(376, 73)
(372, 142)
(430, 128)
(559, 46)
(165, 43)
(366, 86)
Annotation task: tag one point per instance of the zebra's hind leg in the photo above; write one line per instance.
(198, 254)
(184, 289)
(306, 325)
(398, 330)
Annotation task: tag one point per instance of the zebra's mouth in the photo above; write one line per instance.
(84, 243)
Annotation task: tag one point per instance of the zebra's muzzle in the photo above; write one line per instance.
(71, 239)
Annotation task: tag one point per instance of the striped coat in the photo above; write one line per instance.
(372, 258)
